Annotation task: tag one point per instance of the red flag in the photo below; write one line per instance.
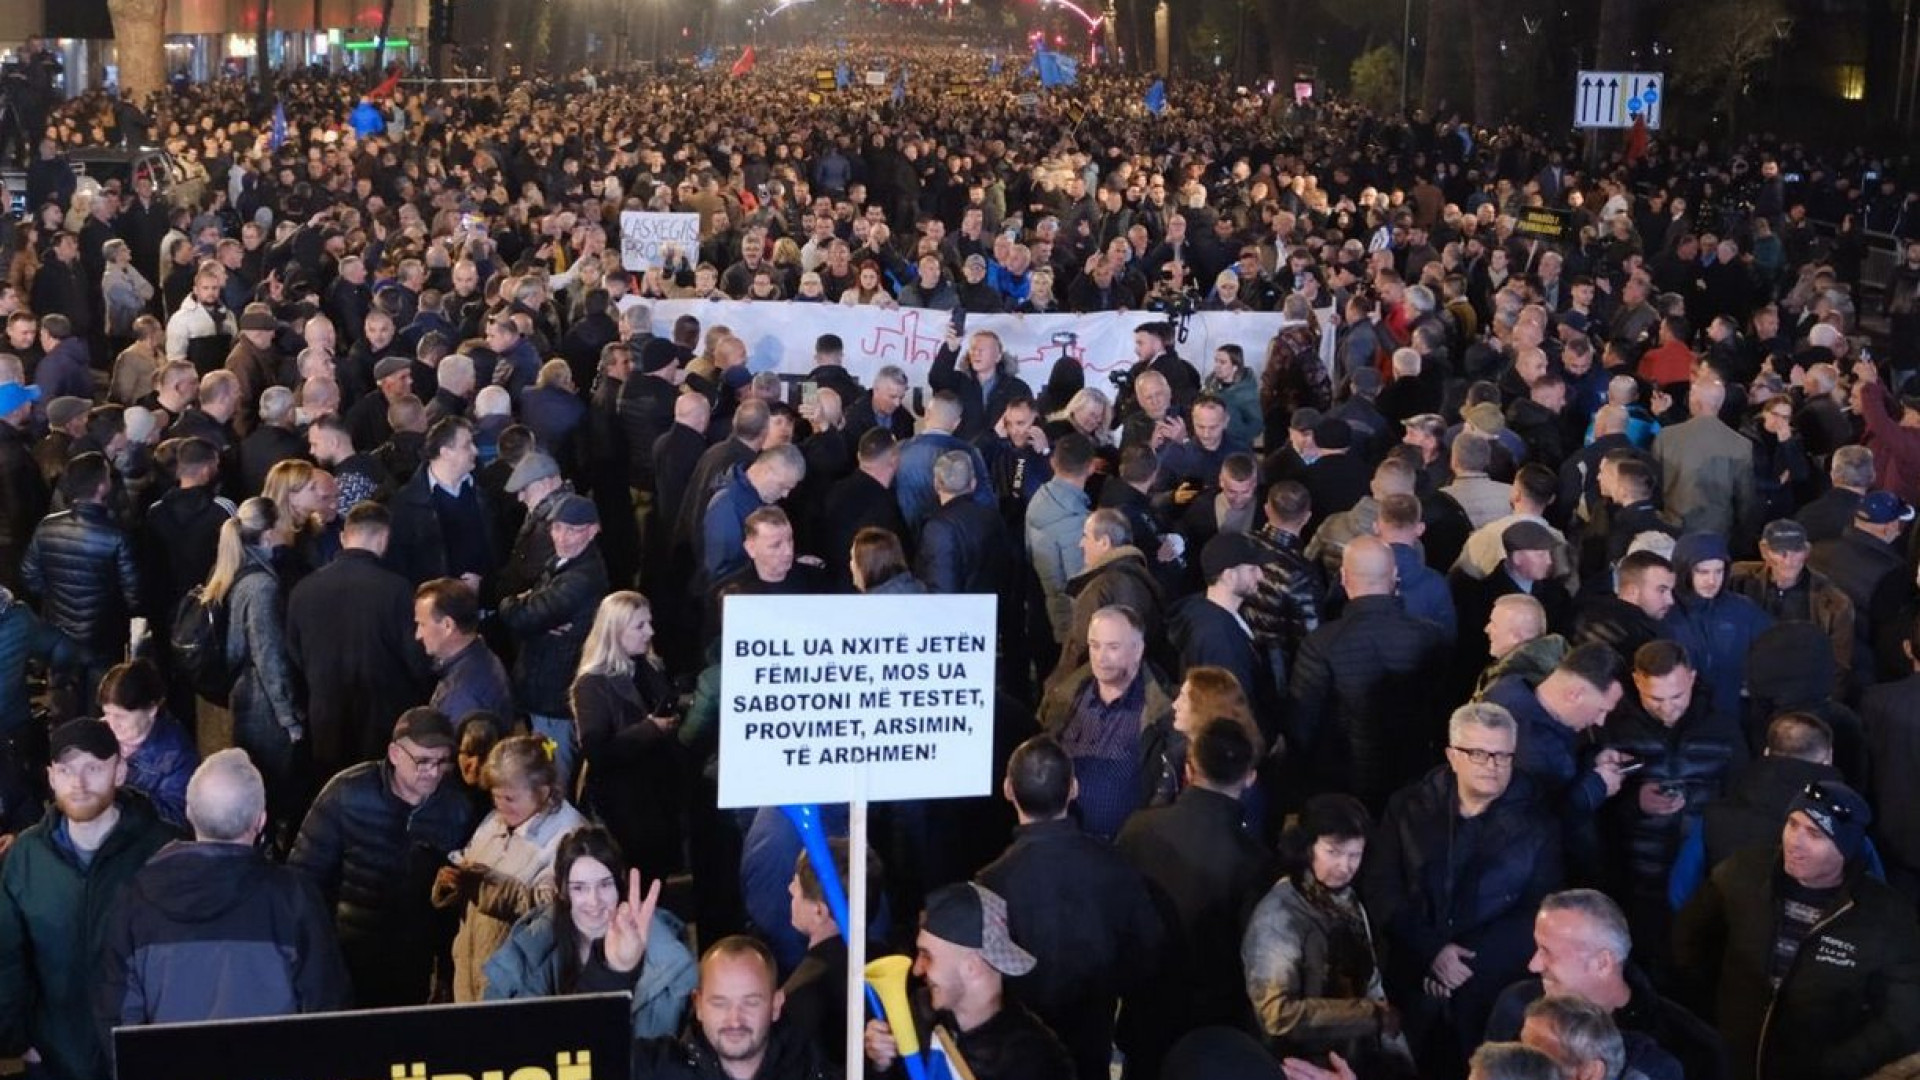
(742, 65)
(1637, 139)
(389, 86)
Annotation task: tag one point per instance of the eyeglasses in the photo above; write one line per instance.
(1500, 759)
(1818, 795)
(429, 764)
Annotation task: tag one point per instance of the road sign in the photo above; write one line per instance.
(1615, 99)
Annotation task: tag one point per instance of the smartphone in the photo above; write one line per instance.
(810, 393)
(959, 321)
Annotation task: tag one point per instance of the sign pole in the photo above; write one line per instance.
(856, 937)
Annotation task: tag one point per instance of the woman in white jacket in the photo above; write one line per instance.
(507, 868)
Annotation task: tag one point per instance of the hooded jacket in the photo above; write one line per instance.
(1716, 633)
(1532, 661)
(1122, 577)
(1054, 520)
(214, 931)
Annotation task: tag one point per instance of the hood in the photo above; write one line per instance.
(193, 882)
(1693, 549)
(1791, 663)
(1055, 502)
(1532, 661)
(1119, 558)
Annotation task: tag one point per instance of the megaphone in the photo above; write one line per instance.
(887, 980)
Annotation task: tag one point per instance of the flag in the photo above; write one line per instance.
(705, 59)
(1056, 69)
(391, 84)
(1156, 100)
(993, 65)
(1637, 139)
(277, 136)
(743, 65)
(842, 76)
(900, 87)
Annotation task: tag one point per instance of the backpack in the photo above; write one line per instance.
(198, 641)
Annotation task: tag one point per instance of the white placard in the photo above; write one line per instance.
(825, 699)
(876, 77)
(644, 232)
(1615, 99)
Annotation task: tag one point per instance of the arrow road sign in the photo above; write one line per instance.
(1614, 99)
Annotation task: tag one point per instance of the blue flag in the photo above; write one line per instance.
(900, 88)
(1157, 97)
(706, 58)
(277, 137)
(1056, 69)
(993, 65)
(842, 76)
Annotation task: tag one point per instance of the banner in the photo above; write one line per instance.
(780, 337)
(1545, 223)
(644, 232)
(580, 1037)
(827, 699)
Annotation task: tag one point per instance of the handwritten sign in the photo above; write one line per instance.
(644, 233)
(828, 698)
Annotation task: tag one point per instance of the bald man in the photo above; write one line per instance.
(213, 930)
(1706, 468)
(1364, 710)
(913, 484)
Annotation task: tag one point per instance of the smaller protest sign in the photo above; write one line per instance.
(644, 233)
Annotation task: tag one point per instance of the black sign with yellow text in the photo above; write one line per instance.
(1543, 223)
(586, 1037)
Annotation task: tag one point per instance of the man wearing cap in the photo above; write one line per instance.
(1526, 568)
(537, 484)
(23, 490)
(1810, 964)
(254, 361)
(1785, 587)
(1364, 683)
(372, 844)
(648, 401)
(550, 621)
(1208, 629)
(367, 420)
(964, 956)
(66, 424)
(212, 930)
(1869, 564)
(58, 885)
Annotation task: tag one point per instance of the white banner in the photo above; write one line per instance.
(780, 336)
(644, 232)
(829, 699)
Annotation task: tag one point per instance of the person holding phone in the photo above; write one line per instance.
(626, 714)
(989, 381)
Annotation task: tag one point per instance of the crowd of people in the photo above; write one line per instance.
(1505, 676)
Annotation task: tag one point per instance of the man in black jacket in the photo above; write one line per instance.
(23, 490)
(863, 499)
(1362, 685)
(441, 518)
(357, 661)
(1205, 871)
(550, 621)
(1206, 629)
(80, 565)
(1868, 563)
(737, 1029)
(1810, 964)
(963, 544)
(1079, 908)
(372, 843)
(1630, 619)
(212, 930)
(1454, 874)
(1891, 712)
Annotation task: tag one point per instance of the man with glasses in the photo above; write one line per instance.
(1462, 859)
(372, 844)
(1811, 965)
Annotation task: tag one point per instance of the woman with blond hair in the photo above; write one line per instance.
(506, 870)
(626, 716)
(267, 721)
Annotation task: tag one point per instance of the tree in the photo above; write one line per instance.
(1376, 79)
(139, 30)
(1717, 42)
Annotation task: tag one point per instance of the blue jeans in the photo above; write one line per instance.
(566, 751)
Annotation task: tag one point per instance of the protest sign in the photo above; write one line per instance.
(581, 1037)
(1544, 223)
(827, 699)
(643, 233)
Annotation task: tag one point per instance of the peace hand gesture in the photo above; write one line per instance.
(626, 942)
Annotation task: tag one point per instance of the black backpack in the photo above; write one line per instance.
(198, 640)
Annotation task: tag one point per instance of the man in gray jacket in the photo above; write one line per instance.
(1706, 467)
